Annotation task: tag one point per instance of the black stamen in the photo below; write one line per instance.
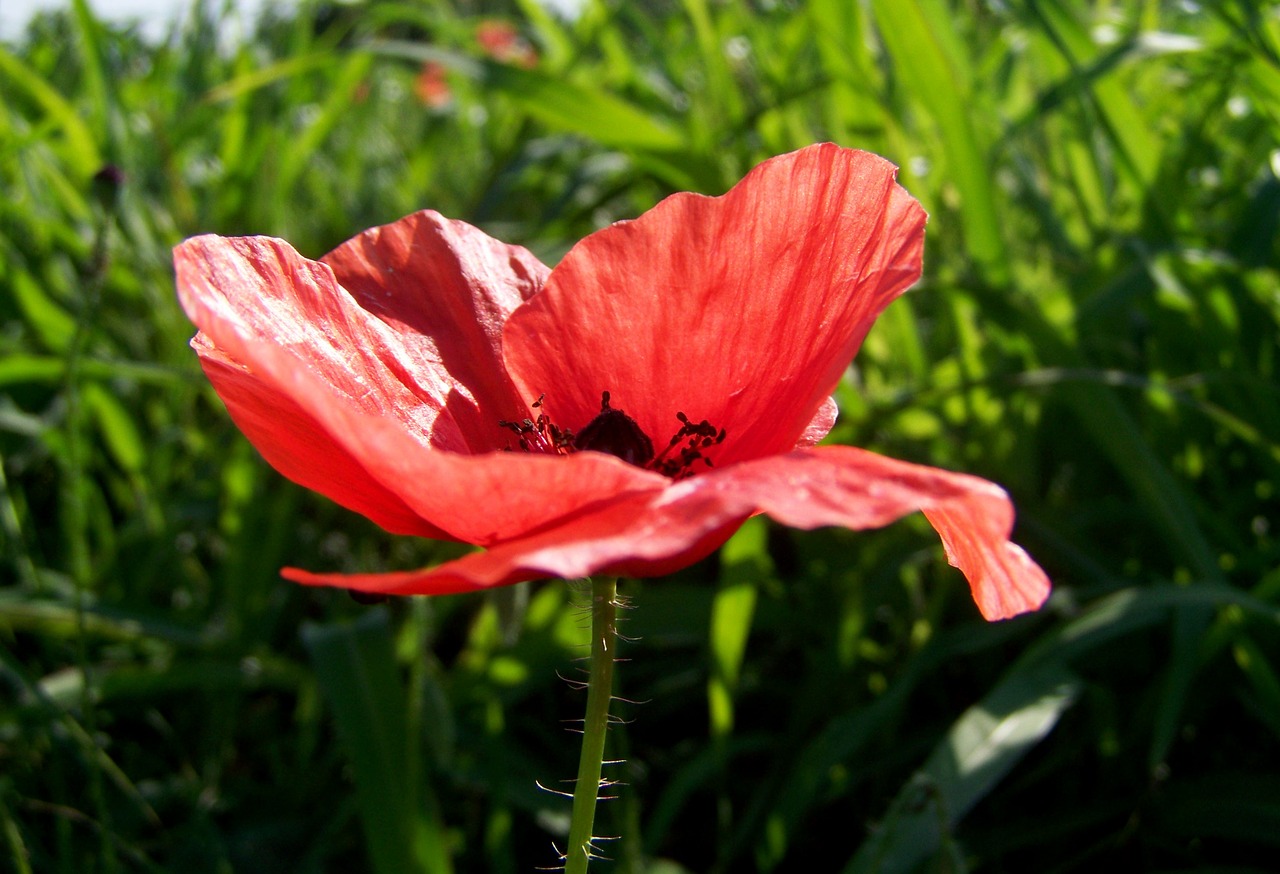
(698, 436)
(614, 432)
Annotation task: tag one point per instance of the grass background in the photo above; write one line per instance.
(1097, 330)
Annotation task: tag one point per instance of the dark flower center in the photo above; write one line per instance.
(614, 432)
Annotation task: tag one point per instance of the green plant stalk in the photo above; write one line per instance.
(586, 791)
(77, 518)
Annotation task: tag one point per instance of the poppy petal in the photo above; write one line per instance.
(295, 444)
(853, 488)
(481, 499)
(821, 423)
(743, 309)
(629, 537)
(647, 535)
(288, 330)
(426, 350)
(446, 289)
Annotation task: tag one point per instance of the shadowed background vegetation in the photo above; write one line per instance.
(1097, 330)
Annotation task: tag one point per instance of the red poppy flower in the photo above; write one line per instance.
(450, 386)
(432, 85)
(502, 42)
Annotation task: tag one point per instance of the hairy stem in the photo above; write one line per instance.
(604, 625)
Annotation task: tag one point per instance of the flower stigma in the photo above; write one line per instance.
(613, 432)
(616, 433)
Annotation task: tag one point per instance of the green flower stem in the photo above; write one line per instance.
(604, 638)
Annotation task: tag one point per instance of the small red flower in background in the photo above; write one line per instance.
(432, 85)
(450, 386)
(502, 42)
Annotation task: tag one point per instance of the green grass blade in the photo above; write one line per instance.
(1242, 809)
(844, 736)
(1190, 622)
(555, 43)
(356, 668)
(1257, 668)
(1111, 426)
(49, 321)
(280, 71)
(83, 153)
(98, 102)
(1130, 133)
(117, 428)
(568, 106)
(745, 563)
(301, 151)
(923, 58)
(978, 751)
(89, 747)
(18, 851)
(1167, 504)
(54, 619)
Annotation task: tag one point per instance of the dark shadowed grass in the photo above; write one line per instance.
(1097, 330)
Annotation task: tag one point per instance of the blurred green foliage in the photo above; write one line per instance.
(1097, 330)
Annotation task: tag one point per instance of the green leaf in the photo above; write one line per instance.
(745, 561)
(59, 620)
(18, 851)
(355, 666)
(592, 112)
(15, 675)
(1129, 132)
(981, 747)
(922, 48)
(843, 737)
(1190, 623)
(302, 147)
(117, 427)
(270, 74)
(83, 151)
(1255, 665)
(48, 320)
(1163, 497)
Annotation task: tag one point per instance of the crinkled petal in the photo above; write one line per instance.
(743, 309)
(481, 499)
(853, 488)
(446, 289)
(289, 331)
(295, 444)
(821, 424)
(1005, 580)
(646, 535)
(415, 336)
(629, 537)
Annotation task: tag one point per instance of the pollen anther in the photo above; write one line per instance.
(614, 432)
